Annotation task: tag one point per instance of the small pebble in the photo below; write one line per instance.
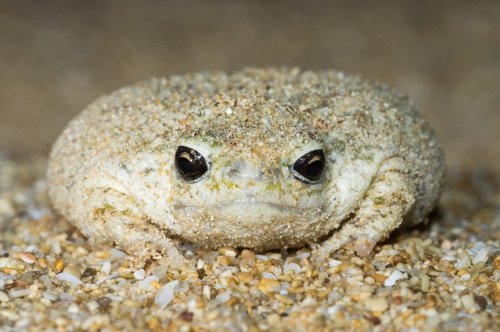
(206, 292)
(291, 267)
(118, 253)
(334, 263)
(424, 283)
(303, 254)
(468, 302)
(223, 297)
(3, 297)
(27, 257)
(27, 277)
(380, 278)
(108, 277)
(227, 251)
(357, 261)
(73, 309)
(391, 280)
(446, 244)
(480, 256)
(42, 262)
(267, 285)
(230, 253)
(245, 277)
(269, 275)
(139, 274)
(462, 263)
(59, 265)
(247, 254)
(378, 304)
(89, 272)
(19, 293)
(166, 294)
(65, 276)
(106, 267)
(480, 301)
(146, 283)
(186, 316)
(73, 271)
(104, 302)
(50, 295)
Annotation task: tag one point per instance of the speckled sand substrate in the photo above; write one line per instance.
(444, 276)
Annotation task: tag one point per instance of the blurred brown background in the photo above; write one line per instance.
(57, 56)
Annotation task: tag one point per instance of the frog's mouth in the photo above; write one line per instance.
(249, 205)
(239, 203)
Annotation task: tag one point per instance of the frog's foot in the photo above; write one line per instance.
(389, 198)
(117, 219)
(146, 241)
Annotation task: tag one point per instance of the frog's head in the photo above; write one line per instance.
(264, 163)
(250, 187)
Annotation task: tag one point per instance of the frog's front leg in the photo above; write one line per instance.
(115, 217)
(382, 209)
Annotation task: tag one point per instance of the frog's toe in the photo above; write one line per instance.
(318, 259)
(363, 244)
(182, 265)
(320, 254)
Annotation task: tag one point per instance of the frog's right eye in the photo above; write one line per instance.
(191, 166)
(310, 167)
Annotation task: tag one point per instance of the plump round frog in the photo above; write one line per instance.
(258, 158)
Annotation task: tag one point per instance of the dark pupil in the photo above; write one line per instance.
(311, 165)
(314, 168)
(190, 164)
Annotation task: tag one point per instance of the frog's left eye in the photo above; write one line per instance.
(190, 164)
(310, 167)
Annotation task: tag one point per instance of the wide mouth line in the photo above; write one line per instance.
(236, 203)
(244, 204)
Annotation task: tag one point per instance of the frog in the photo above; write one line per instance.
(260, 158)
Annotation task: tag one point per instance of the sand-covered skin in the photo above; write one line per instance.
(443, 276)
(113, 173)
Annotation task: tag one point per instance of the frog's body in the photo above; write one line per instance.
(113, 170)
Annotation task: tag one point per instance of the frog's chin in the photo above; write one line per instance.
(254, 224)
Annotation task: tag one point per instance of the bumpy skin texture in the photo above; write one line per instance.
(112, 170)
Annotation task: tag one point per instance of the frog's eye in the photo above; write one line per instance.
(190, 164)
(310, 167)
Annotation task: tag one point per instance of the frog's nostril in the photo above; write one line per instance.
(234, 170)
